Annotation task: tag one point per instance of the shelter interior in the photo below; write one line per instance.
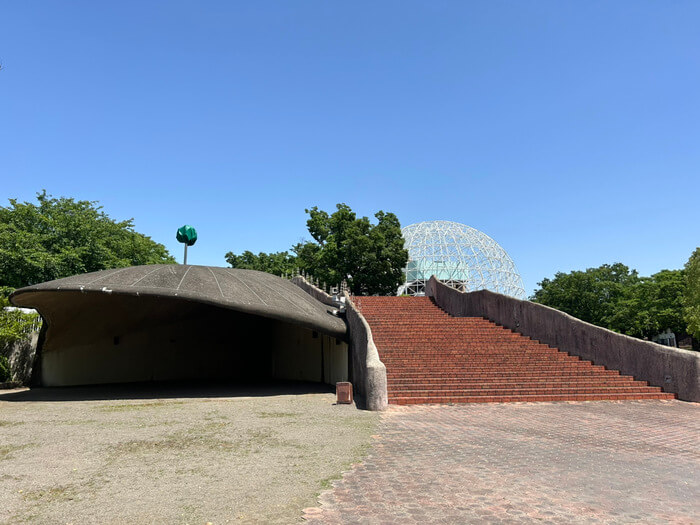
(122, 338)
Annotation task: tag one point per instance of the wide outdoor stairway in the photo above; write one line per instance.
(432, 357)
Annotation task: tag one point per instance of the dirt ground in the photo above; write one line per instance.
(175, 454)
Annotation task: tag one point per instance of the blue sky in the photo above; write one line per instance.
(567, 131)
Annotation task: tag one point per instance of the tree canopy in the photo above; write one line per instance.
(590, 295)
(369, 257)
(652, 305)
(280, 263)
(59, 237)
(615, 297)
(691, 300)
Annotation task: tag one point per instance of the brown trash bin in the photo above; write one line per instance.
(343, 393)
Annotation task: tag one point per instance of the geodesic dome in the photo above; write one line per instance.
(460, 256)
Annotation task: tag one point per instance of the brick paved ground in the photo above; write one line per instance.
(592, 462)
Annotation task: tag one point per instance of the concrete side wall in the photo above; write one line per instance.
(672, 369)
(368, 373)
(304, 355)
(126, 339)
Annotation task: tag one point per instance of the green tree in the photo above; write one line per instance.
(592, 295)
(58, 237)
(369, 257)
(615, 297)
(279, 263)
(691, 299)
(651, 305)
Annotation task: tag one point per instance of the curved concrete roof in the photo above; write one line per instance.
(248, 291)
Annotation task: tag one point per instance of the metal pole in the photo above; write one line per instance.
(185, 253)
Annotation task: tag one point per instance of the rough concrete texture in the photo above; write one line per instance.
(247, 291)
(672, 369)
(20, 356)
(173, 455)
(368, 371)
(550, 463)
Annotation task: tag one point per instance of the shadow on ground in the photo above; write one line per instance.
(165, 390)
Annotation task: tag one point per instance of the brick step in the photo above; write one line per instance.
(507, 375)
(422, 320)
(449, 352)
(421, 400)
(435, 350)
(522, 388)
(535, 380)
(531, 386)
(440, 351)
(451, 368)
(417, 353)
(486, 359)
(525, 390)
(437, 342)
(448, 334)
(432, 357)
(486, 372)
(497, 361)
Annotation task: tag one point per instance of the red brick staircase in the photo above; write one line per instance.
(432, 357)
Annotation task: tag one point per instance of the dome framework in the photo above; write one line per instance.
(460, 256)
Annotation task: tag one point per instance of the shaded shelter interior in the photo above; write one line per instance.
(95, 338)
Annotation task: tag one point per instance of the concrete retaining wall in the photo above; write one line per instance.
(672, 369)
(368, 372)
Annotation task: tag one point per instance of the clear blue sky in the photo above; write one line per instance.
(567, 131)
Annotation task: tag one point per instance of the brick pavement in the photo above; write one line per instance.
(579, 462)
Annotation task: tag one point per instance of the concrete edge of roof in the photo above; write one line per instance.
(334, 326)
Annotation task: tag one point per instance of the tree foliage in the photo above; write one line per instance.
(615, 297)
(691, 300)
(15, 325)
(59, 237)
(652, 305)
(591, 295)
(369, 257)
(280, 263)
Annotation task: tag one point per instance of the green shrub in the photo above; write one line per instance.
(4, 369)
(16, 325)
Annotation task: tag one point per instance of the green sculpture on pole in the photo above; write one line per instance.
(188, 236)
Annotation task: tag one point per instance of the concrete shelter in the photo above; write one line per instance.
(163, 322)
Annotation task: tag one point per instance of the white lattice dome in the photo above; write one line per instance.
(459, 256)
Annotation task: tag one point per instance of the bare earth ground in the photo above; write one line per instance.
(589, 462)
(172, 455)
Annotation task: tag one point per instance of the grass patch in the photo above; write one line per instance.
(6, 451)
(269, 415)
(75, 422)
(126, 407)
(10, 423)
(207, 437)
(359, 453)
(52, 495)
